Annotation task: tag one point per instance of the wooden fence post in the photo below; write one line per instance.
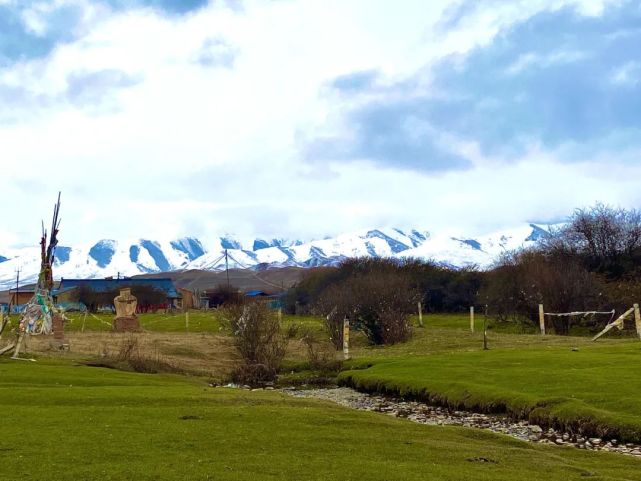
(471, 318)
(637, 319)
(420, 314)
(485, 348)
(542, 319)
(19, 343)
(346, 338)
(3, 321)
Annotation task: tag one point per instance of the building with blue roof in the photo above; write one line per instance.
(68, 288)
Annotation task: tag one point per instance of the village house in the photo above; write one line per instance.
(69, 290)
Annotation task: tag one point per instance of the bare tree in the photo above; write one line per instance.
(259, 340)
(378, 302)
(608, 240)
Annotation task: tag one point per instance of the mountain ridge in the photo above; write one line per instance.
(127, 257)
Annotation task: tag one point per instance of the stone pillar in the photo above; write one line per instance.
(59, 340)
(126, 319)
(58, 327)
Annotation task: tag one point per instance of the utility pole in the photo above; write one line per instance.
(227, 268)
(17, 285)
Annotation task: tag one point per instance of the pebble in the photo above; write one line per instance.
(438, 416)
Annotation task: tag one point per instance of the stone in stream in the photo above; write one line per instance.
(435, 415)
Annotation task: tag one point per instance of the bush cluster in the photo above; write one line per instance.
(593, 262)
(259, 340)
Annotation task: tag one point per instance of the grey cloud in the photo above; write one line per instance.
(391, 134)
(215, 52)
(92, 88)
(355, 81)
(550, 80)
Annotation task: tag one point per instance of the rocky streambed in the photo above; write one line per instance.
(437, 416)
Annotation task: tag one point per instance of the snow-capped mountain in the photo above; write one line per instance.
(106, 257)
(110, 257)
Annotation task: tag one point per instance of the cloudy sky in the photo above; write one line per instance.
(307, 118)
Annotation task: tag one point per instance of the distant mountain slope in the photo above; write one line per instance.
(111, 257)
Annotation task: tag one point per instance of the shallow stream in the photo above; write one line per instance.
(433, 415)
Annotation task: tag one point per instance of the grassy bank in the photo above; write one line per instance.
(594, 389)
(66, 422)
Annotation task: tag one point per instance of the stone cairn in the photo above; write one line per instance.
(126, 319)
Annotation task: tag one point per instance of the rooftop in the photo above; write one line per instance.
(104, 285)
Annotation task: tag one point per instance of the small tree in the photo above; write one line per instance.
(378, 302)
(335, 305)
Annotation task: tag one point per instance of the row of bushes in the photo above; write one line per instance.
(592, 263)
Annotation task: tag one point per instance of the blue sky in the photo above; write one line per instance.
(305, 119)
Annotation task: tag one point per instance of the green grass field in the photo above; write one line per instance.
(62, 421)
(199, 321)
(596, 387)
(196, 321)
(94, 423)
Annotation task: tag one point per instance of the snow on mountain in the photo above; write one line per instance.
(481, 251)
(265, 244)
(109, 257)
(106, 257)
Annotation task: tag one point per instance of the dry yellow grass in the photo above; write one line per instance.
(204, 354)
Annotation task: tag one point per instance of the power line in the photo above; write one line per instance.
(251, 271)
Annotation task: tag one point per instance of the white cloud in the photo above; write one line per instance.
(628, 74)
(533, 60)
(188, 149)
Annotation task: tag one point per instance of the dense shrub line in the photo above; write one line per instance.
(593, 262)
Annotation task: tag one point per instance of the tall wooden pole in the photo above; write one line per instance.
(485, 348)
(471, 318)
(346, 338)
(542, 319)
(637, 319)
(420, 314)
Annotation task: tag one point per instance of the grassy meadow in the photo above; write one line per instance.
(83, 422)
(64, 421)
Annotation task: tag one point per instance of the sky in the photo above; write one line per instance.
(309, 118)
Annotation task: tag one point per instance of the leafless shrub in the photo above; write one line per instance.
(335, 305)
(131, 356)
(259, 340)
(521, 281)
(606, 239)
(128, 348)
(321, 355)
(292, 331)
(379, 302)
